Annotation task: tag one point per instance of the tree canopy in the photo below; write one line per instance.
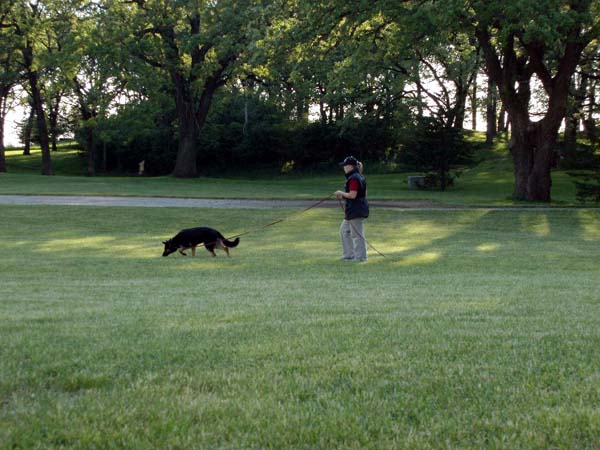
(174, 82)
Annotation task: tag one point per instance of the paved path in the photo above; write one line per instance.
(161, 202)
(186, 202)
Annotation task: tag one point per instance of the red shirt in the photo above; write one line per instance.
(353, 185)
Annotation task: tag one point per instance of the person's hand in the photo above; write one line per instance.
(339, 194)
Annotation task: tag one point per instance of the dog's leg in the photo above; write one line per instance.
(223, 247)
(194, 251)
(181, 250)
(211, 249)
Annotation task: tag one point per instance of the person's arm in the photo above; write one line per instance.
(353, 188)
(349, 195)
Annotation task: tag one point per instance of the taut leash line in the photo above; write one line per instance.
(314, 205)
(270, 224)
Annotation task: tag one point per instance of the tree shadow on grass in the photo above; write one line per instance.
(488, 239)
(438, 240)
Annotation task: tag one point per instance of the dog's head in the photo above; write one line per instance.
(170, 247)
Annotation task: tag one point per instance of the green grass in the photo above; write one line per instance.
(480, 329)
(67, 160)
(490, 183)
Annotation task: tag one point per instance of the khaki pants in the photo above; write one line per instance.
(352, 234)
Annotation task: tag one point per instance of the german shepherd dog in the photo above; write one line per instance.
(192, 237)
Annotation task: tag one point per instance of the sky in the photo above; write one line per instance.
(11, 138)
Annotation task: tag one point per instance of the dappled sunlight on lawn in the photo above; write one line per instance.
(419, 237)
(589, 221)
(537, 224)
(422, 228)
(491, 178)
(423, 258)
(99, 245)
(487, 247)
(54, 245)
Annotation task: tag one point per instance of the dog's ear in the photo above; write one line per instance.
(164, 242)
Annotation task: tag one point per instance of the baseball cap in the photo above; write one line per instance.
(349, 161)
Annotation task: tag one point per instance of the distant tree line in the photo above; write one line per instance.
(190, 86)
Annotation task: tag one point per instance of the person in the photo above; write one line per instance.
(356, 210)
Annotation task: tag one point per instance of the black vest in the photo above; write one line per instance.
(359, 207)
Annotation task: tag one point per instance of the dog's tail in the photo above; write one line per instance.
(231, 244)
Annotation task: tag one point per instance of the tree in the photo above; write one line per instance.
(29, 25)
(450, 66)
(432, 145)
(198, 46)
(590, 72)
(9, 75)
(91, 70)
(521, 39)
(491, 104)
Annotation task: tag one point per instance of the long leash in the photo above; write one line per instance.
(358, 232)
(302, 211)
(270, 224)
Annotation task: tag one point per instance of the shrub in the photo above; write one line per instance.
(430, 146)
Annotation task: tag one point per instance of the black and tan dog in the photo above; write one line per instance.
(192, 237)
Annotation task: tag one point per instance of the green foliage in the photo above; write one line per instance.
(587, 183)
(432, 146)
(140, 132)
(270, 138)
(229, 140)
(582, 156)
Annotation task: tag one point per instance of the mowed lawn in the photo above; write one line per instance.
(480, 329)
(489, 183)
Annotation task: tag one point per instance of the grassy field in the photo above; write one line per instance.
(480, 329)
(489, 183)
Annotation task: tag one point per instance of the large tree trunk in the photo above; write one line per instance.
(532, 143)
(41, 124)
(192, 117)
(459, 108)
(189, 127)
(502, 122)
(539, 183)
(521, 151)
(532, 148)
(185, 165)
(490, 112)
(38, 105)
